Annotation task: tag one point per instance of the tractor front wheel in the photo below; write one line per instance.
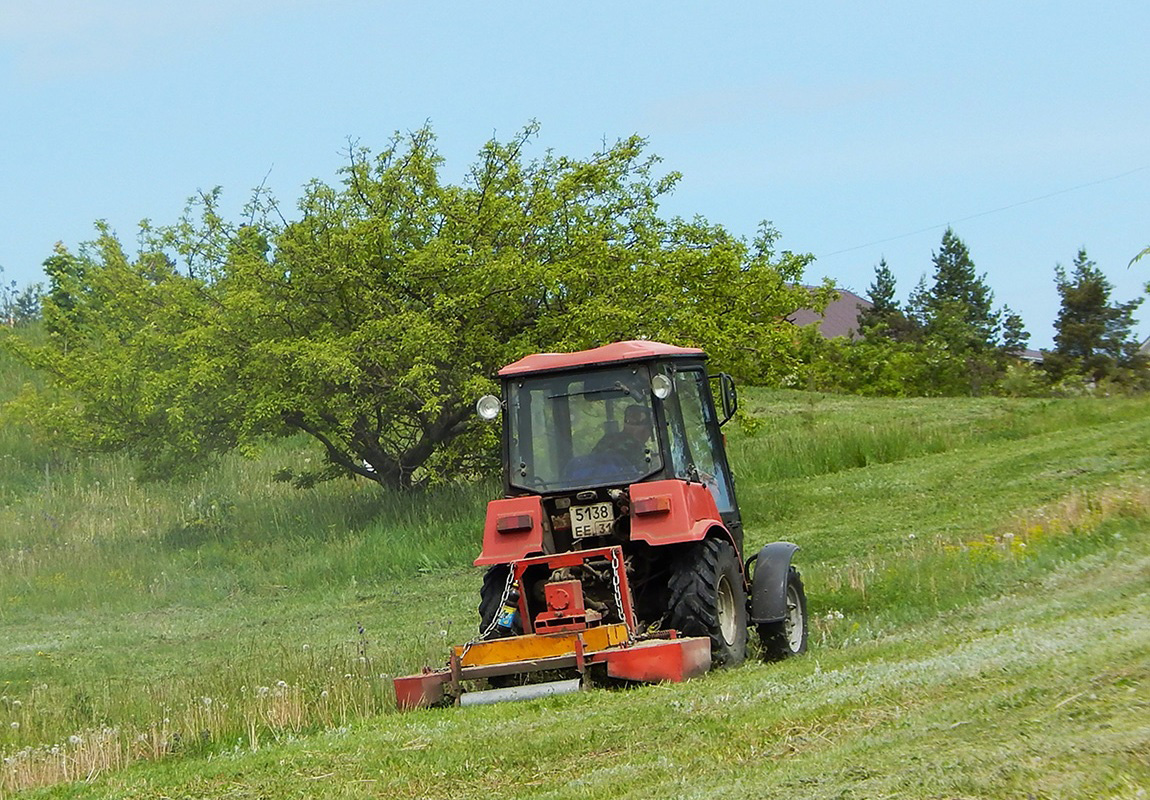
(708, 598)
(788, 636)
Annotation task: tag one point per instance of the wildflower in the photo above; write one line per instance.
(281, 684)
(15, 726)
(75, 740)
(207, 701)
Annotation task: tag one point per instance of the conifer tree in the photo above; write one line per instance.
(1014, 335)
(958, 304)
(1093, 336)
(884, 317)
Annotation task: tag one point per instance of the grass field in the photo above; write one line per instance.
(978, 573)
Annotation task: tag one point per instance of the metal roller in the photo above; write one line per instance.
(527, 692)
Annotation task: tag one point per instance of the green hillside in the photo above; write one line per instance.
(977, 571)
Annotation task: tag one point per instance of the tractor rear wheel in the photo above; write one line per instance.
(708, 598)
(788, 636)
(491, 599)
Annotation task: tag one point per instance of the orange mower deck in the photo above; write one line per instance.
(563, 637)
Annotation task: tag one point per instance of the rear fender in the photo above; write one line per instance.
(673, 512)
(513, 530)
(769, 585)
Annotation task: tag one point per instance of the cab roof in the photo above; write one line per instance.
(599, 356)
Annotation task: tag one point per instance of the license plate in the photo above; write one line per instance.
(592, 520)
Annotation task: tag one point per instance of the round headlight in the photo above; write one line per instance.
(661, 386)
(488, 406)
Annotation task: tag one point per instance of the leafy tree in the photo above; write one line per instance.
(1093, 336)
(1145, 252)
(373, 320)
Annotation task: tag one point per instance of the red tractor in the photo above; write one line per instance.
(618, 544)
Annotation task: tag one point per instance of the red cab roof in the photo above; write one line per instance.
(608, 354)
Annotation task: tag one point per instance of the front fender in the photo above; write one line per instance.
(769, 585)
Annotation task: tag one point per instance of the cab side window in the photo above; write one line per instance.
(693, 447)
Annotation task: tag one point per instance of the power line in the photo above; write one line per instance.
(985, 213)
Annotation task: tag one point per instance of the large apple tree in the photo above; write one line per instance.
(374, 317)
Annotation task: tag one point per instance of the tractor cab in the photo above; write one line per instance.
(598, 422)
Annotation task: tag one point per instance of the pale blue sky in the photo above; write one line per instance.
(859, 129)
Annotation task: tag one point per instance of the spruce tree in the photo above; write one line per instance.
(1014, 335)
(1093, 336)
(959, 298)
(884, 318)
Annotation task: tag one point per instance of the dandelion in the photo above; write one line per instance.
(262, 691)
(323, 695)
(281, 684)
(15, 726)
(207, 701)
(75, 740)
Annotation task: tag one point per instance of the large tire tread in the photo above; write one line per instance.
(694, 598)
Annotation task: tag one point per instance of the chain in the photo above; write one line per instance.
(615, 585)
(498, 612)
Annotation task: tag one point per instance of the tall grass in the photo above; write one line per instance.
(796, 434)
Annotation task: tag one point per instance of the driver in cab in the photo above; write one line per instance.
(628, 446)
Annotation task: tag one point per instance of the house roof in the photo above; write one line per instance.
(840, 319)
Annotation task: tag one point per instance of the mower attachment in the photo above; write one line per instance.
(563, 637)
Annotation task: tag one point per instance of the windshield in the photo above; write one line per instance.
(576, 431)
